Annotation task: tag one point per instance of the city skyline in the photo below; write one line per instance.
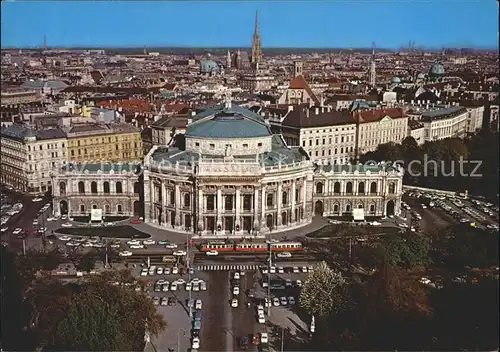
(230, 24)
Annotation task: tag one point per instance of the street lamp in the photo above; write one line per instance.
(179, 339)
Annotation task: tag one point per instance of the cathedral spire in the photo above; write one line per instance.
(256, 43)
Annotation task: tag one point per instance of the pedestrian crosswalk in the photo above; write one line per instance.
(227, 267)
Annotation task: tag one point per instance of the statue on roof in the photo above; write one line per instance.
(227, 99)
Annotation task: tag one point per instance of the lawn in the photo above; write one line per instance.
(350, 230)
(86, 219)
(109, 231)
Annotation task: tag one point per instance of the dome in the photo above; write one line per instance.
(396, 80)
(437, 70)
(420, 76)
(208, 66)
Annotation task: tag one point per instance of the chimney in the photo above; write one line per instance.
(328, 108)
(310, 103)
(307, 112)
(316, 111)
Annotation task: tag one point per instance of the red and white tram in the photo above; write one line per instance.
(252, 247)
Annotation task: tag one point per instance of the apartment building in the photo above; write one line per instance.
(103, 142)
(444, 123)
(29, 156)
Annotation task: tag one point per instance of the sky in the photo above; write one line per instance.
(308, 24)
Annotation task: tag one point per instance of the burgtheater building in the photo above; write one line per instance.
(230, 175)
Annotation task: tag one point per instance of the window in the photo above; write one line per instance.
(211, 202)
(259, 144)
(348, 187)
(228, 202)
(93, 187)
(107, 209)
(284, 198)
(81, 187)
(247, 202)
(373, 188)
(392, 188)
(82, 208)
(245, 145)
(62, 188)
(297, 195)
(137, 188)
(212, 146)
(348, 208)
(187, 200)
(319, 188)
(270, 200)
(119, 208)
(197, 144)
(105, 187)
(361, 187)
(119, 188)
(336, 188)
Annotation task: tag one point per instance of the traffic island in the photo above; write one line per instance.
(104, 232)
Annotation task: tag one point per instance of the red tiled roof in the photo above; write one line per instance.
(300, 82)
(377, 115)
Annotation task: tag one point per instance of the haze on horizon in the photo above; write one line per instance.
(335, 24)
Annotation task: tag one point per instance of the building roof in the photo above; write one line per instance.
(299, 82)
(349, 168)
(443, 113)
(20, 132)
(228, 122)
(437, 70)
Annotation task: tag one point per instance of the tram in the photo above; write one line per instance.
(251, 247)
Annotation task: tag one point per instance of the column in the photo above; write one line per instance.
(294, 189)
(219, 208)
(278, 202)
(263, 207)
(304, 195)
(164, 203)
(151, 197)
(355, 187)
(342, 187)
(177, 205)
(238, 209)
(256, 217)
(378, 187)
(199, 210)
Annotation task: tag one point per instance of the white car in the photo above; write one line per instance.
(236, 276)
(196, 286)
(264, 338)
(296, 270)
(284, 255)
(4, 229)
(114, 245)
(281, 270)
(17, 231)
(199, 304)
(72, 244)
(189, 286)
(173, 286)
(175, 270)
(195, 344)
(236, 290)
(203, 286)
(262, 319)
(260, 309)
(50, 219)
(375, 223)
(37, 199)
(171, 246)
(148, 242)
(159, 271)
(144, 272)
(87, 244)
(133, 242)
(65, 238)
(136, 246)
(212, 253)
(276, 302)
(234, 303)
(125, 254)
(179, 253)
(67, 224)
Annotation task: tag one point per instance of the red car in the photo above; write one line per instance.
(136, 221)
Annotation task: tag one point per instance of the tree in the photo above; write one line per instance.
(87, 261)
(407, 250)
(92, 314)
(323, 291)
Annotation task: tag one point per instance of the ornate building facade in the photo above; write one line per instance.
(114, 188)
(234, 177)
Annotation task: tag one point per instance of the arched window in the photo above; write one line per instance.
(270, 200)
(361, 187)
(228, 202)
(119, 188)
(62, 188)
(119, 208)
(187, 200)
(348, 208)
(284, 198)
(372, 208)
(105, 187)
(336, 188)
(107, 209)
(247, 202)
(335, 208)
(319, 187)
(93, 187)
(81, 187)
(348, 187)
(373, 188)
(392, 188)
(94, 206)
(82, 208)
(137, 188)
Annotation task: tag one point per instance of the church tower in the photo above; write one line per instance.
(373, 72)
(228, 59)
(256, 43)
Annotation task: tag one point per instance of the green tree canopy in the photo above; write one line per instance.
(323, 291)
(407, 250)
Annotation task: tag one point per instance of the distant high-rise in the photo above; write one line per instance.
(256, 43)
(44, 41)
